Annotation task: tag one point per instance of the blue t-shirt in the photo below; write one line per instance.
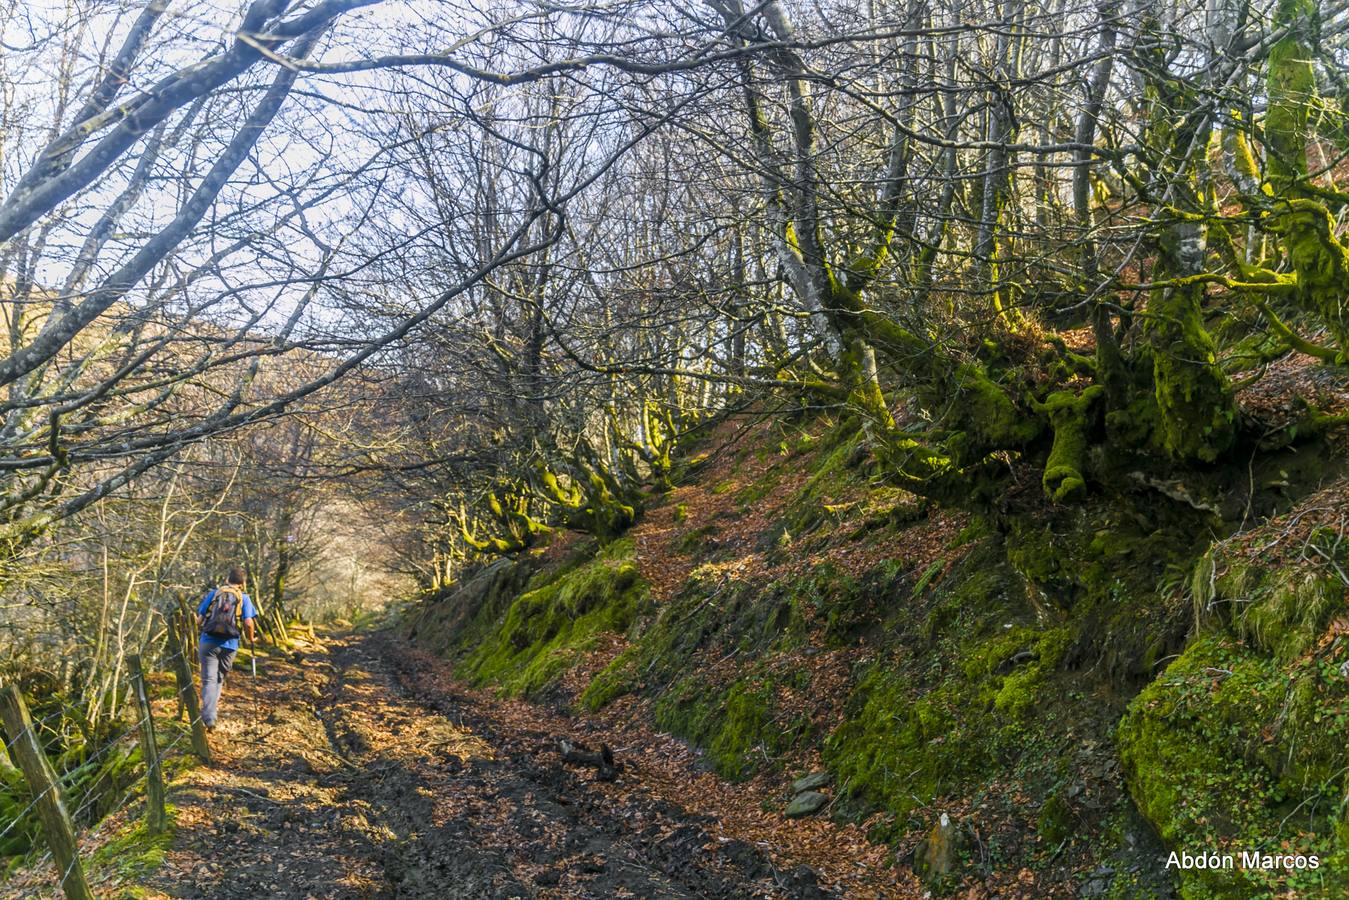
(246, 612)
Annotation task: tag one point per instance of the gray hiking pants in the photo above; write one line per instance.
(215, 665)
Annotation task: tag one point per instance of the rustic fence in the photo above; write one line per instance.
(47, 797)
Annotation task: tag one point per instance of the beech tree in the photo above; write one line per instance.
(530, 251)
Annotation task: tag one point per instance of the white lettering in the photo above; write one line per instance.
(1184, 860)
(1251, 859)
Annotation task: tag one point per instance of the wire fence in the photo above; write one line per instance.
(60, 713)
(48, 811)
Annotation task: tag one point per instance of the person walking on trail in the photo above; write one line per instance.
(223, 615)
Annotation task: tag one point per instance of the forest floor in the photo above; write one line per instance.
(361, 769)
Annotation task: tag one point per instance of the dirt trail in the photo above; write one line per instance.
(351, 777)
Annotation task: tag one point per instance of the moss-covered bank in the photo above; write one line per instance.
(986, 664)
(554, 623)
(1240, 745)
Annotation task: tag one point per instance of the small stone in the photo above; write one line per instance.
(812, 782)
(806, 803)
(1097, 883)
(936, 856)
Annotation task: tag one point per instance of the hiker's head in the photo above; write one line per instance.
(235, 576)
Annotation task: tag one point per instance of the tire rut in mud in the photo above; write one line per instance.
(336, 777)
(566, 838)
(427, 856)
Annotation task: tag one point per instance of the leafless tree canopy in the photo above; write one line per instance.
(279, 275)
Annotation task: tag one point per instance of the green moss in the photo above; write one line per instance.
(833, 474)
(1284, 616)
(468, 612)
(740, 727)
(1068, 416)
(22, 826)
(925, 579)
(1102, 565)
(1196, 412)
(1231, 751)
(760, 488)
(1055, 821)
(132, 854)
(909, 734)
(737, 619)
(849, 606)
(888, 507)
(972, 594)
(987, 412)
(1240, 744)
(695, 540)
(976, 529)
(94, 777)
(549, 628)
(1138, 423)
(1027, 656)
(899, 750)
(1292, 91)
(1320, 261)
(902, 745)
(740, 723)
(1283, 608)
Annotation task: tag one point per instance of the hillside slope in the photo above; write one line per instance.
(1075, 689)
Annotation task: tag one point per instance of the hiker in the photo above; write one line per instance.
(220, 617)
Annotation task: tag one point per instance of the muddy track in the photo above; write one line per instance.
(348, 780)
(629, 842)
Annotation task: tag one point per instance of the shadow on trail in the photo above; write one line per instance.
(348, 781)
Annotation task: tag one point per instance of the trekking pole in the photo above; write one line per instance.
(253, 664)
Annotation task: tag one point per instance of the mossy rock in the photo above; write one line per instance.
(1231, 751)
(937, 858)
(1055, 821)
(834, 473)
(696, 540)
(739, 724)
(910, 735)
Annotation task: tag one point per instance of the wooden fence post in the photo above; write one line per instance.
(154, 800)
(187, 691)
(187, 616)
(174, 645)
(51, 807)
